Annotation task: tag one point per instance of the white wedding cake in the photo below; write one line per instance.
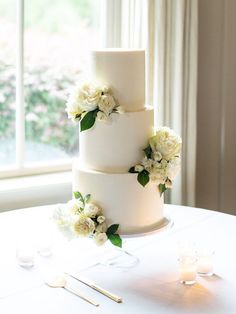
(109, 149)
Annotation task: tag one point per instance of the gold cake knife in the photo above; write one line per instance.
(96, 287)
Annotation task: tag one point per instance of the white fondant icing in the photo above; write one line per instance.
(117, 145)
(124, 72)
(123, 200)
(112, 148)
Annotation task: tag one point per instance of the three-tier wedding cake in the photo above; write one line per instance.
(108, 149)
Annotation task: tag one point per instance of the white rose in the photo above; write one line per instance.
(100, 238)
(166, 142)
(91, 210)
(101, 227)
(101, 219)
(106, 104)
(64, 221)
(101, 116)
(84, 226)
(74, 205)
(105, 89)
(138, 168)
(173, 168)
(73, 106)
(89, 97)
(82, 98)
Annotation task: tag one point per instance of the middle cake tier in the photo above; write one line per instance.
(118, 144)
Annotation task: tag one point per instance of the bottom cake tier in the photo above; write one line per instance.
(124, 201)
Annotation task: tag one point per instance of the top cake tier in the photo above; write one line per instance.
(124, 72)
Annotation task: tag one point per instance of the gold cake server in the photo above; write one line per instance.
(96, 287)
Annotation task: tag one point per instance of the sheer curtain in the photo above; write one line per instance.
(167, 29)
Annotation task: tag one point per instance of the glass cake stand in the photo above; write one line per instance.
(124, 257)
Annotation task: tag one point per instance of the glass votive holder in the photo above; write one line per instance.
(205, 262)
(186, 248)
(25, 255)
(187, 269)
(45, 246)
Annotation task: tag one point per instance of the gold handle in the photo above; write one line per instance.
(97, 288)
(107, 293)
(82, 296)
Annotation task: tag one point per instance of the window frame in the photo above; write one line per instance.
(21, 167)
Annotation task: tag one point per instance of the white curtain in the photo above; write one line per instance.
(123, 23)
(167, 29)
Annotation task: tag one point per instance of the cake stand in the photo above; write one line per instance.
(122, 257)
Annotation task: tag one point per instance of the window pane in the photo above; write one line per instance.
(7, 81)
(58, 36)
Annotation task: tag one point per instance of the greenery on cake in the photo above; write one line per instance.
(161, 163)
(88, 103)
(82, 218)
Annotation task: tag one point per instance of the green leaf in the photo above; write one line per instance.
(148, 151)
(78, 196)
(143, 177)
(88, 120)
(87, 198)
(112, 229)
(162, 188)
(132, 170)
(115, 239)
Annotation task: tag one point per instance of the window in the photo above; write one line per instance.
(42, 53)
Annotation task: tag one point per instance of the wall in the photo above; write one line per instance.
(35, 190)
(216, 111)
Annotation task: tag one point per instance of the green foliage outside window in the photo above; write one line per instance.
(46, 119)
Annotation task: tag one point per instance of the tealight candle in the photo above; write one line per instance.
(25, 255)
(205, 263)
(187, 269)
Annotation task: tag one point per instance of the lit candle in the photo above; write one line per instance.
(187, 275)
(187, 270)
(205, 264)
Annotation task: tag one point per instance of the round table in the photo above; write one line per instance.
(152, 286)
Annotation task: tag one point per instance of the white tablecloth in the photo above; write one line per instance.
(152, 286)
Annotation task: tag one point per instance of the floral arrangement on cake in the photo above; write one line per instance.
(88, 102)
(81, 217)
(161, 163)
